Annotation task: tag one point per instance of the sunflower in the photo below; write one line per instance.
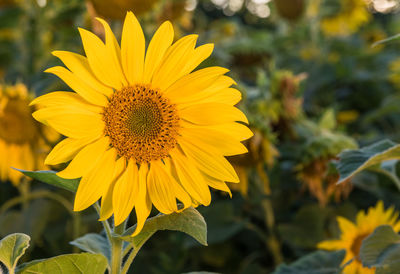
(144, 129)
(351, 16)
(354, 233)
(22, 140)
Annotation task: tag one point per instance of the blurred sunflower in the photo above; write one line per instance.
(22, 140)
(354, 233)
(143, 129)
(346, 19)
(394, 75)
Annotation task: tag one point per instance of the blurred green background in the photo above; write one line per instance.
(313, 84)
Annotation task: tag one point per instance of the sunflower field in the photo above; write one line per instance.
(199, 136)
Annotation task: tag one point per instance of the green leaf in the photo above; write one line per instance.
(353, 161)
(83, 263)
(319, 262)
(381, 249)
(93, 243)
(188, 221)
(12, 248)
(50, 177)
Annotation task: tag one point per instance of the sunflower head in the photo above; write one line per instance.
(22, 139)
(352, 235)
(143, 128)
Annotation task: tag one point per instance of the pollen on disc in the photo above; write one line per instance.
(141, 123)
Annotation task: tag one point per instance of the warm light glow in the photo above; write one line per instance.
(384, 6)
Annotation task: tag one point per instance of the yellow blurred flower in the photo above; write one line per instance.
(261, 151)
(22, 140)
(143, 127)
(373, 35)
(394, 75)
(352, 235)
(351, 16)
(347, 116)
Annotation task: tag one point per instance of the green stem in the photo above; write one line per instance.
(116, 249)
(37, 195)
(105, 223)
(24, 189)
(129, 260)
(76, 231)
(272, 241)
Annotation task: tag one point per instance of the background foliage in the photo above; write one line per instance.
(309, 95)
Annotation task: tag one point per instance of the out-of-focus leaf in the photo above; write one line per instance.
(309, 220)
(93, 243)
(12, 248)
(84, 263)
(188, 221)
(328, 120)
(353, 161)
(381, 249)
(31, 220)
(50, 177)
(319, 262)
(222, 222)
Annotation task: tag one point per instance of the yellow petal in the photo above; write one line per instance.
(235, 130)
(64, 98)
(75, 125)
(199, 55)
(143, 204)
(106, 201)
(218, 184)
(345, 225)
(212, 113)
(79, 66)
(160, 191)
(213, 140)
(132, 49)
(193, 83)
(65, 150)
(213, 165)
(331, 245)
(84, 161)
(79, 86)
(95, 183)
(4, 165)
(159, 44)
(113, 54)
(125, 193)
(179, 192)
(101, 59)
(190, 178)
(174, 61)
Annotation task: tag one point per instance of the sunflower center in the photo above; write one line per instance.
(141, 123)
(356, 246)
(16, 123)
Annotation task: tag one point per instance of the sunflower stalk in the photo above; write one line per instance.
(116, 249)
(272, 241)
